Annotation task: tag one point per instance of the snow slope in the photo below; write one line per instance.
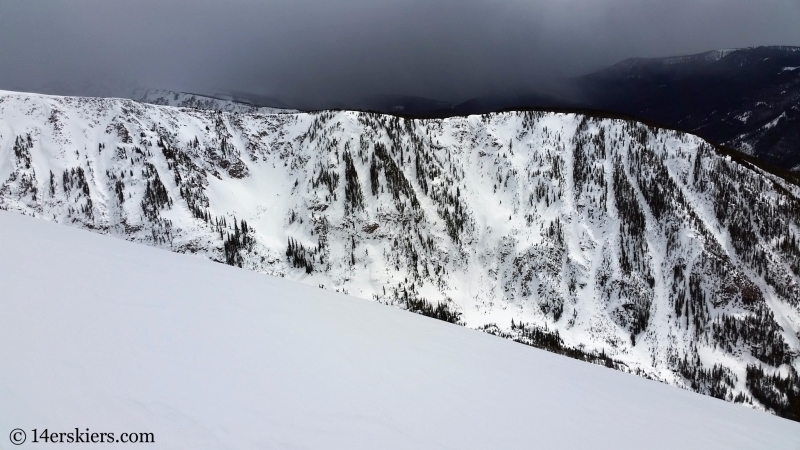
(103, 334)
(606, 240)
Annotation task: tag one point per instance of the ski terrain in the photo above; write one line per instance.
(107, 335)
(606, 240)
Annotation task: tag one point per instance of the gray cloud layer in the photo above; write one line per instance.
(311, 52)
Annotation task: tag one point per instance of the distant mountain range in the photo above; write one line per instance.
(222, 103)
(747, 99)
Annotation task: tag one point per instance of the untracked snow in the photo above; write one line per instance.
(112, 336)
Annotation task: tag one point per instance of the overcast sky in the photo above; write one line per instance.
(304, 51)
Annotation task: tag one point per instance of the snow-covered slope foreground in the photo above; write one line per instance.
(605, 240)
(115, 337)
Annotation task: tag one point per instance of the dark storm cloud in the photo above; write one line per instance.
(306, 52)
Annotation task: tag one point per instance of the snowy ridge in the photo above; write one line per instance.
(602, 239)
(709, 56)
(196, 101)
(739, 93)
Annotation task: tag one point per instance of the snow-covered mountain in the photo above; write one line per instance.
(197, 101)
(119, 338)
(606, 240)
(745, 98)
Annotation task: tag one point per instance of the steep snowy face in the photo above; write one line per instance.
(605, 240)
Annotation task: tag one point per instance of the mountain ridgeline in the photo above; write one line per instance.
(605, 240)
(743, 98)
(747, 99)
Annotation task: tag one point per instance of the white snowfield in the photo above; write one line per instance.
(113, 336)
